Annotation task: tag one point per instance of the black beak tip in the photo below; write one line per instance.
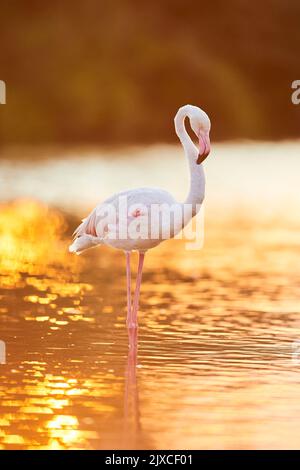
(201, 157)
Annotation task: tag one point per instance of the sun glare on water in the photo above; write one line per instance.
(219, 329)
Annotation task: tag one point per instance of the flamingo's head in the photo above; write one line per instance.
(200, 124)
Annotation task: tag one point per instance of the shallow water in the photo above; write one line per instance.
(217, 360)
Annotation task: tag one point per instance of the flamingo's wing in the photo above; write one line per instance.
(97, 228)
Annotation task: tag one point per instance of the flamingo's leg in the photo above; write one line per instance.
(128, 276)
(134, 323)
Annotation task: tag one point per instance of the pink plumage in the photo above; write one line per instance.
(96, 230)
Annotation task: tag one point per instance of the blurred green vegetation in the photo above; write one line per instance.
(116, 71)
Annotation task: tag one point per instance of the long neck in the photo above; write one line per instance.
(197, 177)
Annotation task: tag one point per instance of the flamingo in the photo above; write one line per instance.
(95, 230)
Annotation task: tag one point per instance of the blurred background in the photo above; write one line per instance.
(92, 90)
(115, 72)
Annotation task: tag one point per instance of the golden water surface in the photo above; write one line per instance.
(215, 364)
(217, 360)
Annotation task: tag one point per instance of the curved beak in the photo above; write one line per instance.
(204, 147)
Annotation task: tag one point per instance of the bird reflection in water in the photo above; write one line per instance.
(132, 425)
(212, 337)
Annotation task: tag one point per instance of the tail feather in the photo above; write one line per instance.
(83, 243)
(88, 226)
(85, 236)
